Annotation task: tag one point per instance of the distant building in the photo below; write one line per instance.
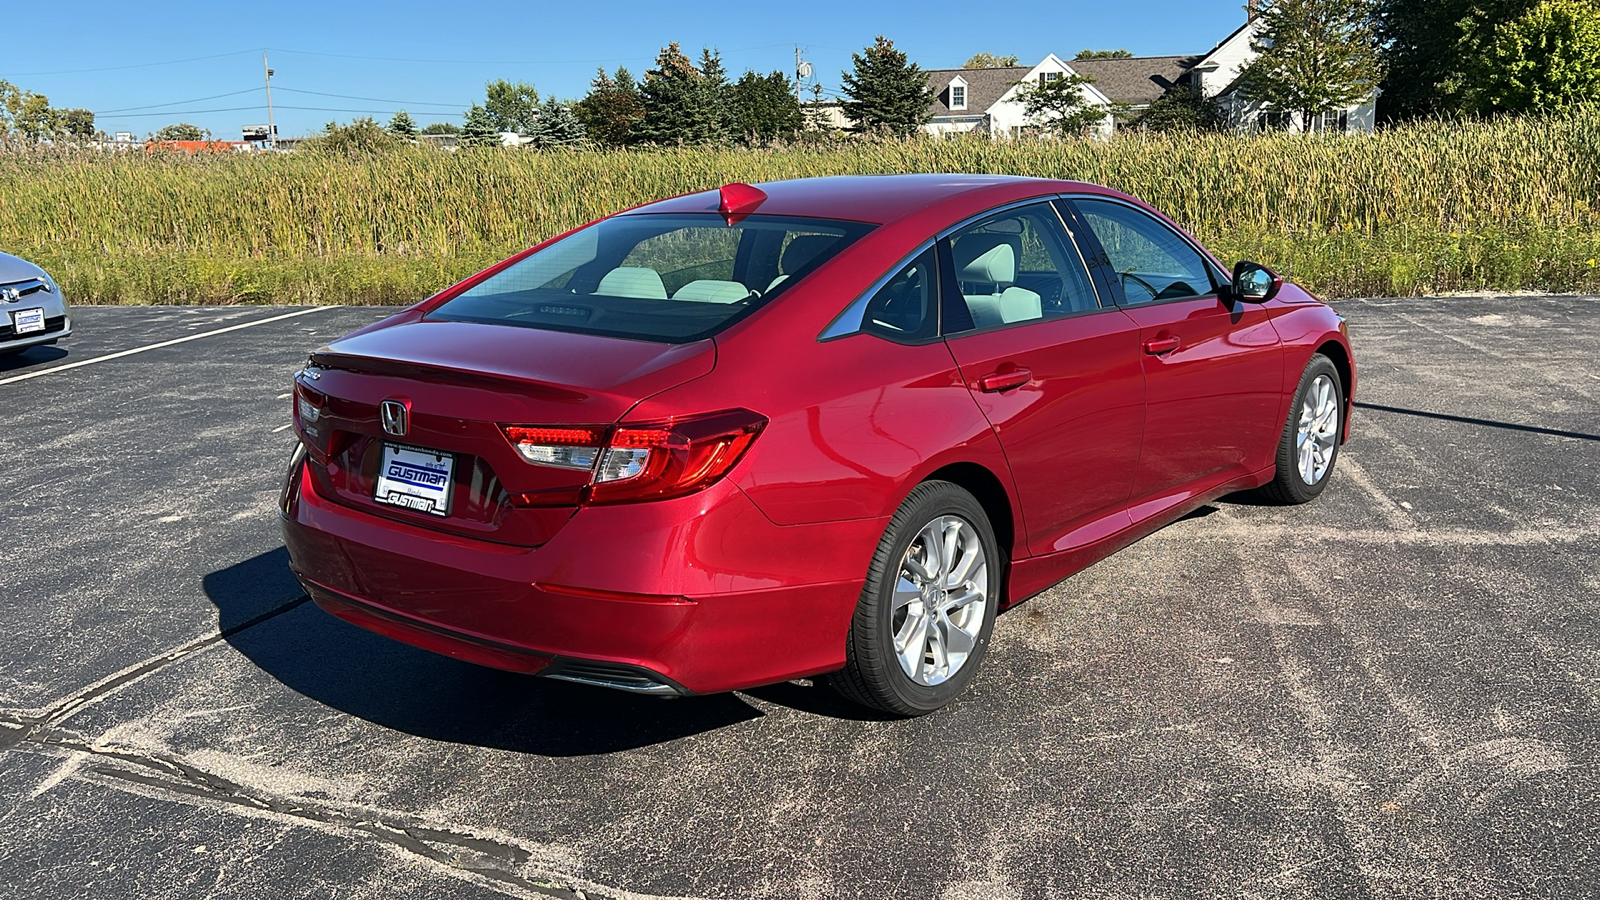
(1216, 75)
(989, 101)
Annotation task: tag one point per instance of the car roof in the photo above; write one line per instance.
(879, 199)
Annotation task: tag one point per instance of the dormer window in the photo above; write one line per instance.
(958, 94)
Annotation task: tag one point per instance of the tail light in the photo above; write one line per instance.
(637, 460)
(308, 407)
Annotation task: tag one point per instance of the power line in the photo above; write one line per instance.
(169, 62)
(175, 113)
(496, 62)
(107, 112)
(371, 99)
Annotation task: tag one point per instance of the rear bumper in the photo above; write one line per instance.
(696, 595)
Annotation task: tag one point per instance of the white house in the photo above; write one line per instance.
(989, 101)
(1216, 76)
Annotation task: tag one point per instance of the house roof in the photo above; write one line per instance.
(985, 87)
(1136, 81)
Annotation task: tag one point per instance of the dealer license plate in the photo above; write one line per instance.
(415, 479)
(27, 321)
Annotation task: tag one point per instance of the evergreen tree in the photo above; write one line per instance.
(677, 106)
(718, 92)
(1547, 59)
(764, 107)
(403, 126)
(1313, 56)
(887, 91)
(511, 107)
(1062, 106)
(611, 110)
(479, 129)
(556, 126)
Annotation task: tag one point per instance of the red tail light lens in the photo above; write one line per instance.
(640, 460)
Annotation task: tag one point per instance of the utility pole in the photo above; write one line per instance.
(797, 75)
(272, 130)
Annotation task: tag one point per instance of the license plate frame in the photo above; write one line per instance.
(28, 321)
(415, 478)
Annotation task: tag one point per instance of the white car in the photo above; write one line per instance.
(32, 310)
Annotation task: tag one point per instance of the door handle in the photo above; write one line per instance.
(995, 382)
(1165, 343)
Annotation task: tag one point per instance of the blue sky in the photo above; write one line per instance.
(162, 62)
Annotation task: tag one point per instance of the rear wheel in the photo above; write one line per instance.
(1310, 441)
(923, 623)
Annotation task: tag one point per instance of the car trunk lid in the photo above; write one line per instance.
(459, 384)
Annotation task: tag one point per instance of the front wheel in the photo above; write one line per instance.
(923, 622)
(1310, 441)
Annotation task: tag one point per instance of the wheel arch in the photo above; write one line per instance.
(1340, 357)
(991, 494)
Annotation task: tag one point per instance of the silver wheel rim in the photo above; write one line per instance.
(941, 594)
(1318, 432)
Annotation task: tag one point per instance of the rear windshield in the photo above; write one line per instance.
(669, 278)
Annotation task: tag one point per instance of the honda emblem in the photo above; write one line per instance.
(393, 414)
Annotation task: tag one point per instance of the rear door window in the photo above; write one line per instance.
(1016, 266)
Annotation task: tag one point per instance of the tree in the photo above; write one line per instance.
(887, 91)
(989, 61)
(1313, 56)
(1103, 54)
(511, 107)
(1547, 59)
(403, 126)
(479, 129)
(182, 131)
(764, 106)
(1183, 108)
(1432, 50)
(718, 92)
(611, 110)
(26, 112)
(1062, 106)
(556, 126)
(77, 122)
(442, 128)
(679, 106)
(362, 137)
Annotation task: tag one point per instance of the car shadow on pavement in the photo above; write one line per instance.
(421, 693)
(32, 356)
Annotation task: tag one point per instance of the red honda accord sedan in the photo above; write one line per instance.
(825, 426)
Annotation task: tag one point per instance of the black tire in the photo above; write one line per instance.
(1289, 486)
(873, 674)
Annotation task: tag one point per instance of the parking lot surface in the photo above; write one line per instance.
(1391, 692)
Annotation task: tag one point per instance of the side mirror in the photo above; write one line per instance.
(1255, 282)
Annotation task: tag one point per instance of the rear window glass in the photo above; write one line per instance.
(669, 278)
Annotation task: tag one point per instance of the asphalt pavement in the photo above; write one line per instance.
(1390, 692)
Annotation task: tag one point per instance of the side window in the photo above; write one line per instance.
(1015, 267)
(1151, 260)
(906, 307)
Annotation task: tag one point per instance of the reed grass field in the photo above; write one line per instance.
(1428, 208)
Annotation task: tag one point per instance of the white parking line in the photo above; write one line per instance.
(192, 337)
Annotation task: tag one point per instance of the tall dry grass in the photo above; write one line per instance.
(1430, 207)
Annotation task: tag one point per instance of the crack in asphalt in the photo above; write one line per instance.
(16, 728)
(496, 861)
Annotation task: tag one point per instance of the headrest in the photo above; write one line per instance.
(709, 291)
(632, 281)
(985, 257)
(803, 249)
